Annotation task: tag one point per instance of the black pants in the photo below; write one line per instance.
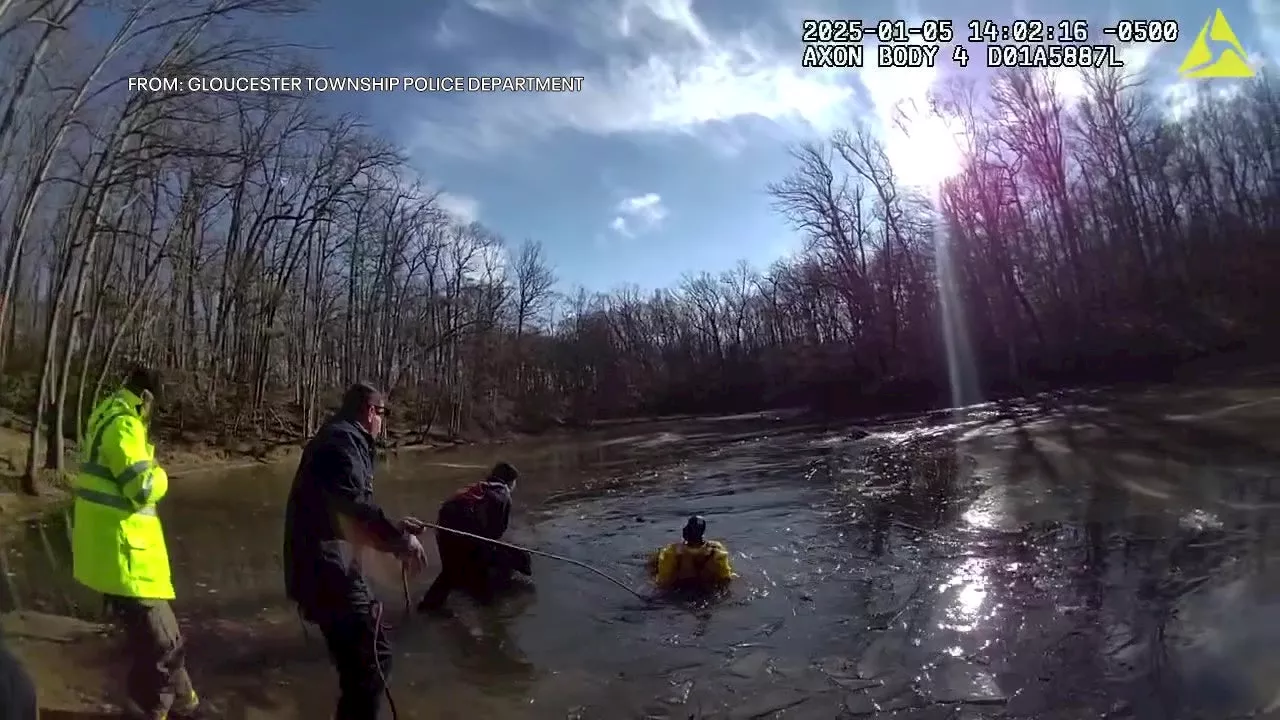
(358, 645)
(464, 565)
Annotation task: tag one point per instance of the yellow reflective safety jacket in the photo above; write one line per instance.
(680, 565)
(117, 542)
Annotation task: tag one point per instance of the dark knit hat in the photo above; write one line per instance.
(504, 473)
(144, 379)
(695, 529)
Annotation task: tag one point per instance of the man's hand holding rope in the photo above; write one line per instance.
(414, 556)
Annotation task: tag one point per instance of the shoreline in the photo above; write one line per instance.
(18, 508)
(182, 457)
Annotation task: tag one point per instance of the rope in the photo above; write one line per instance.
(377, 660)
(544, 554)
(408, 605)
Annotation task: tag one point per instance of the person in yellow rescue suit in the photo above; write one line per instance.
(118, 547)
(695, 565)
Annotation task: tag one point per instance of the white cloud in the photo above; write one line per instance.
(602, 24)
(1184, 97)
(463, 208)
(478, 256)
(664, 71)
(448, 36)
(639, 214)
(659, 68)
(493, 263)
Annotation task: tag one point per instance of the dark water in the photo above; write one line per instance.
(1022, 561)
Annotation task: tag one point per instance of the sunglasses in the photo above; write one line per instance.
(381, 410)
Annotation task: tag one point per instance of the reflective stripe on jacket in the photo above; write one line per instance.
(681, 564)
(117, 541)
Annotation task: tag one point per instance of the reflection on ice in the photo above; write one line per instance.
(1200, 520)
(987, 512)
(969, 585)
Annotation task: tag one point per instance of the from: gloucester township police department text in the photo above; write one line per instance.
(275, 84)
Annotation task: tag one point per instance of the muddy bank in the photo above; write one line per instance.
(52, 647)
(75, 662)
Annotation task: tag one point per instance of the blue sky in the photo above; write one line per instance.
(659, 166)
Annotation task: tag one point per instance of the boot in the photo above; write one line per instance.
(188, 708)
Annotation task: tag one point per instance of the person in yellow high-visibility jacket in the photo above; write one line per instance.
(118, 547)
(695, 565)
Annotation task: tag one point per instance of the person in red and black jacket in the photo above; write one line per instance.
(483, 509)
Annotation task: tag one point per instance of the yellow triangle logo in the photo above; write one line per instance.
(1232, 61)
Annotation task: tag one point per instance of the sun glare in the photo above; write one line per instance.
(924, 151)
(922, 147)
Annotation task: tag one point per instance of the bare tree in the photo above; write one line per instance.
(266, 253)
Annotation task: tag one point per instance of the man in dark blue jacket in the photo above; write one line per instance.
(483, 509)
(330, 510)
(17, 692)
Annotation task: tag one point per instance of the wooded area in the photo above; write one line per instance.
(266, 253)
